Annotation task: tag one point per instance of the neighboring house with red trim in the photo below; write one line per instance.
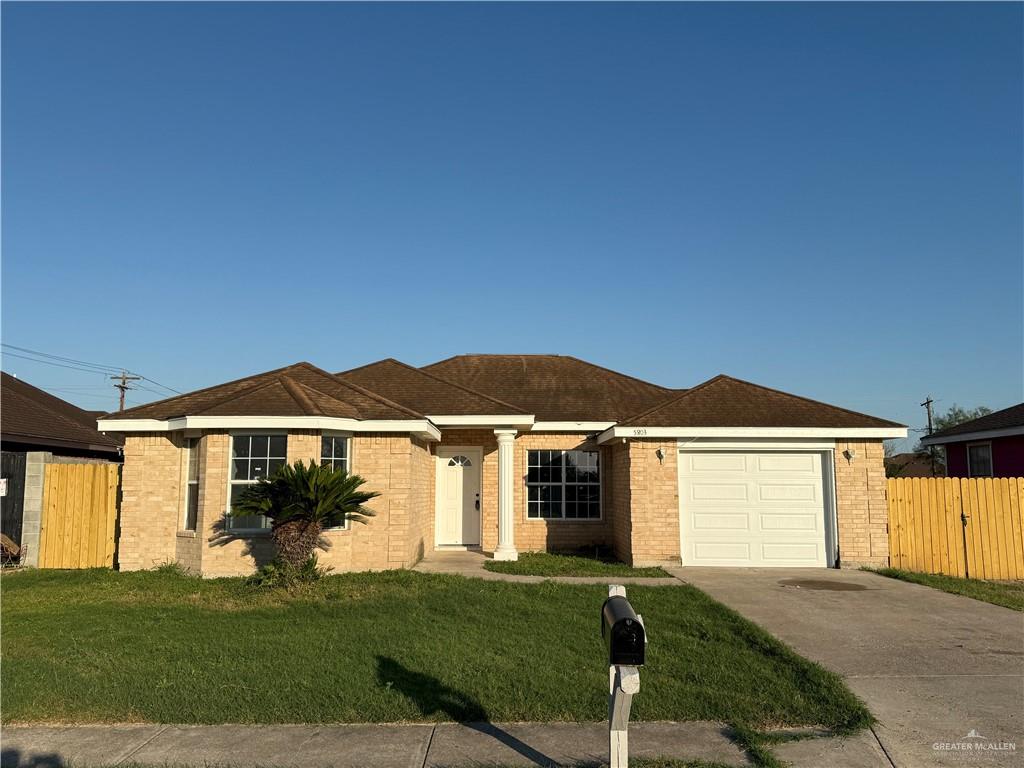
(989, 446)
(510, 453)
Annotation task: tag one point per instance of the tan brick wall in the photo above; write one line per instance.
(150, 500)
(615, 460)
(421, 502)
(555, 535)
(654, 501)
(861, 506)
(304, 445)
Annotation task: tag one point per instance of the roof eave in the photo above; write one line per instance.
(981, 434)
(507, 420)
(421, 428)
(872, 433)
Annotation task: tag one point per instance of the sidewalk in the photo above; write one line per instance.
(446, 745)
(471, 563)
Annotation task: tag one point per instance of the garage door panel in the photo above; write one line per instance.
(788, 553)
(789, 492)
(788, 522)
(731, 551)
(791, 463)
(716, 462)
(721, 521)
(752, 508)
(705, 491)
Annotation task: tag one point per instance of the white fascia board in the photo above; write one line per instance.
(512, 420)
(571, 426)
(866, 433)
(419, 427)
(968, 437)
(756, 444)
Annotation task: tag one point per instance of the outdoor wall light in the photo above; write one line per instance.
(850, 454)
(661, 455)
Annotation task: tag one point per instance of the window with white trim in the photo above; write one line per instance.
(254, 457)
(979, 460)
(563, 485)
(334, 452)
(191, 512)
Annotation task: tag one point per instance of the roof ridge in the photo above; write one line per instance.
(811, 400)
(294, 389)
(244, 393)
(564, 357)
(617, 373)
(367, 365)
(676, 399)
(249, 381)
(361, 390)
(722, 376)
(450, 383)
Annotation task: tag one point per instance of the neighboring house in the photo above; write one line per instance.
(914, 465)
(34, 420)
(508, 453)
(989, 446)
(37, 428)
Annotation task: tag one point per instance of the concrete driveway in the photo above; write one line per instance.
(931, 666)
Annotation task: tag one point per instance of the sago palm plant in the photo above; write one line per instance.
(301, 500)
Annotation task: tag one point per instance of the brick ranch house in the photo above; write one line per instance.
(511, 453)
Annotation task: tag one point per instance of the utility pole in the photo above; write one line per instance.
(122, 385)
(927, 405)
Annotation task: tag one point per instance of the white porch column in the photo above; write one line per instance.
(506, 500)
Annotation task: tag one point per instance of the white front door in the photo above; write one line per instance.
(762, 509)
(457, 511)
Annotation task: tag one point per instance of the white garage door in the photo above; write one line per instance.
(760, 509)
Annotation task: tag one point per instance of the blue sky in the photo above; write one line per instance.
(821, 198)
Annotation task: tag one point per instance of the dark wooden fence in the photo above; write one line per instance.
(12, 504)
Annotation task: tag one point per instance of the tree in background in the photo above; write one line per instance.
(957, 415)
(954, 415)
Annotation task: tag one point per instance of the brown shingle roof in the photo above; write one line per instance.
(727, 402)
(553, 387)
(30, 415)
(1004, 419)
(424, 391)
(296, 390)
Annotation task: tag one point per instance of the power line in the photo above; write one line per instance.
(48, 362)
(72, 363)
(62, 359)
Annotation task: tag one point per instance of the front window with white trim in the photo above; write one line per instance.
(563, 485)
(254, 457)
(979, 460)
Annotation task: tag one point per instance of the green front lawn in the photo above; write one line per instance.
(154, 646)
(546, 564)
(1009, 594)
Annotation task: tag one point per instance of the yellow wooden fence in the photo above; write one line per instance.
(970, 527)
(79, 514)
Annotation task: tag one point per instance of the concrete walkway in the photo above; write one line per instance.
(934, 668)
(397, 746)
(471, 563)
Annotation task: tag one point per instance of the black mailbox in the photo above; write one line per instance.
(622, 632)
